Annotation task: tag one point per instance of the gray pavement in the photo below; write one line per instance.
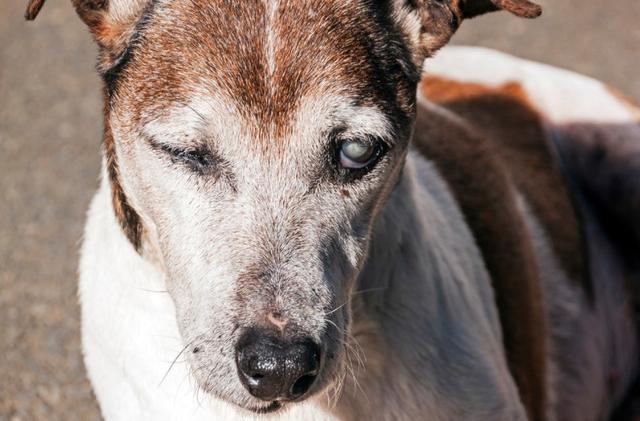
(49, 138)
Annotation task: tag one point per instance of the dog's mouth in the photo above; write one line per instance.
(271, 408)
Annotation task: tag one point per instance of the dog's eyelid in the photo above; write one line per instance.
(198, 157)
(370, 139)
(186, 141)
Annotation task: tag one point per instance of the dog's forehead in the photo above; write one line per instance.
(266, 56)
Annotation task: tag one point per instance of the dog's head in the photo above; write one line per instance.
(250, 146)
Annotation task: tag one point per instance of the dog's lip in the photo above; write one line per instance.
(271, 408)
(275, 405)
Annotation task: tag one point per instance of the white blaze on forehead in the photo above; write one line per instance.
(271, 7)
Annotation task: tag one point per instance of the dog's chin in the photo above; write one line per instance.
(258, 407)
(270, 408)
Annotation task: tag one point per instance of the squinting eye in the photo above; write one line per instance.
(199, 160)
(355, 154)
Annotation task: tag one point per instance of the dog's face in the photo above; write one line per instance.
(258, 145)
(251, 144)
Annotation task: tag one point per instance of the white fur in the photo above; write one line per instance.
(560, 95)
(130, 337)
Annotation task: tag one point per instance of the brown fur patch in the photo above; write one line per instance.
(127, 217)
(506, 118)
(266, 61)
(489, 206)
(500, 149)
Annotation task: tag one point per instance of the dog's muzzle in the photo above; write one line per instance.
(274, 369)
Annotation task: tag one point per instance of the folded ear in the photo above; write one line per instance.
(429, 24)
(111, 22)
(520, 8)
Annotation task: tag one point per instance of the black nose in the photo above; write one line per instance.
(273, 369)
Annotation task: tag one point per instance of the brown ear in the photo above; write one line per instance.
(429, 24)
(520, 8)
(33, 8)
(88, 10)
(111, 22)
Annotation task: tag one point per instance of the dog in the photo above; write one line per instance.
(294, 223)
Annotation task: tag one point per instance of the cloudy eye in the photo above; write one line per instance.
(356, 154)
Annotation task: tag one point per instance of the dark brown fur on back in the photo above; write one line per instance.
(501, 147)
(505, 118)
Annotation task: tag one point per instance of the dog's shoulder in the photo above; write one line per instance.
(527, 113)
(485, 133)
(473, 167)
(517, 140)
(504, 132)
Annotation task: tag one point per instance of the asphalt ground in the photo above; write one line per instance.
(50, 127)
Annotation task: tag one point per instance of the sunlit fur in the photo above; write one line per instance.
(382, 271)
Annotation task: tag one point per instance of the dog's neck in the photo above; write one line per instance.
(422, 236)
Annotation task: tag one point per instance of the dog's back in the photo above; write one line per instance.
(542, 163)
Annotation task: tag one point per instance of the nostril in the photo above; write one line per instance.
(302, 385)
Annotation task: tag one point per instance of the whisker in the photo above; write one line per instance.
(197, 113)
(362, 291)
(194, 382)
(174, 361)
(353, 351)
(337, 308)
